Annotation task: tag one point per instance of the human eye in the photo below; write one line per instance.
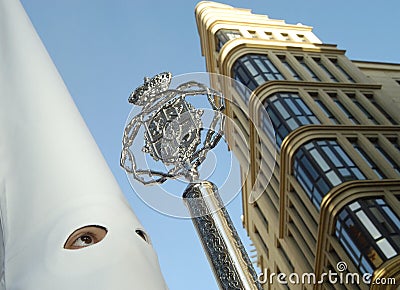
(85, 240)
(85, 237)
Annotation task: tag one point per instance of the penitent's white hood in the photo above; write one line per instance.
(54, 180)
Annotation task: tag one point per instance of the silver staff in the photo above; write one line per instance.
(176, 136)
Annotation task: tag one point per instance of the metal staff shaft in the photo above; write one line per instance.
(225, 251)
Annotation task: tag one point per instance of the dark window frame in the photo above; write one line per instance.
(339, 167)
(224, 35)
(307, 68)
(287, 112)
(289, 67)
(252, 70)
(335, 61)
(367, 159)
(357, 239)
(325, 69)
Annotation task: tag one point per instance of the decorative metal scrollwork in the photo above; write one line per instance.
(219, 238)
(176, 136)
(172, 127)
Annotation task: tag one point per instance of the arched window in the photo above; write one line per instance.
(287, 112)
(253, 70)
(369, 231)
(321, 165)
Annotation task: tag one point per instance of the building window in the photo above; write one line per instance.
(243, 91)
(395, 144)
(336, 63)
(326, 111)
(301, 60)
(269, 35)
(302, 37)
(369, 231)
(286, 36)
(287, 65)
(340, 105)
(368, 160)
(321, 165)
(261, 216)
(287, 112)
(361, 107)
(384, 112)
(325, 69)
(253, 34)
(288, 261)
(253, 70)
(261, 241)
(224, 35)
(386, 156)
(266, 124)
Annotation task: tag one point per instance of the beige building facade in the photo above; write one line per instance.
(333, 194)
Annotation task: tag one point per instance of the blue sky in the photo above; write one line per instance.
(104, 48)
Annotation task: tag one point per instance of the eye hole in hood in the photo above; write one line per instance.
(85, 237)
(141, 233)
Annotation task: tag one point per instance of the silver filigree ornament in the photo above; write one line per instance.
(147, 92)
(173, 129)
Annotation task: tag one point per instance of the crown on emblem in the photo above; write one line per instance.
(151, 87)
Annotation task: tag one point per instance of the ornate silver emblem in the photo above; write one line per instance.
(173, 129)
(173, 134)
(176, 135)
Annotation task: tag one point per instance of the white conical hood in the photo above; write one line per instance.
(54, 180)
